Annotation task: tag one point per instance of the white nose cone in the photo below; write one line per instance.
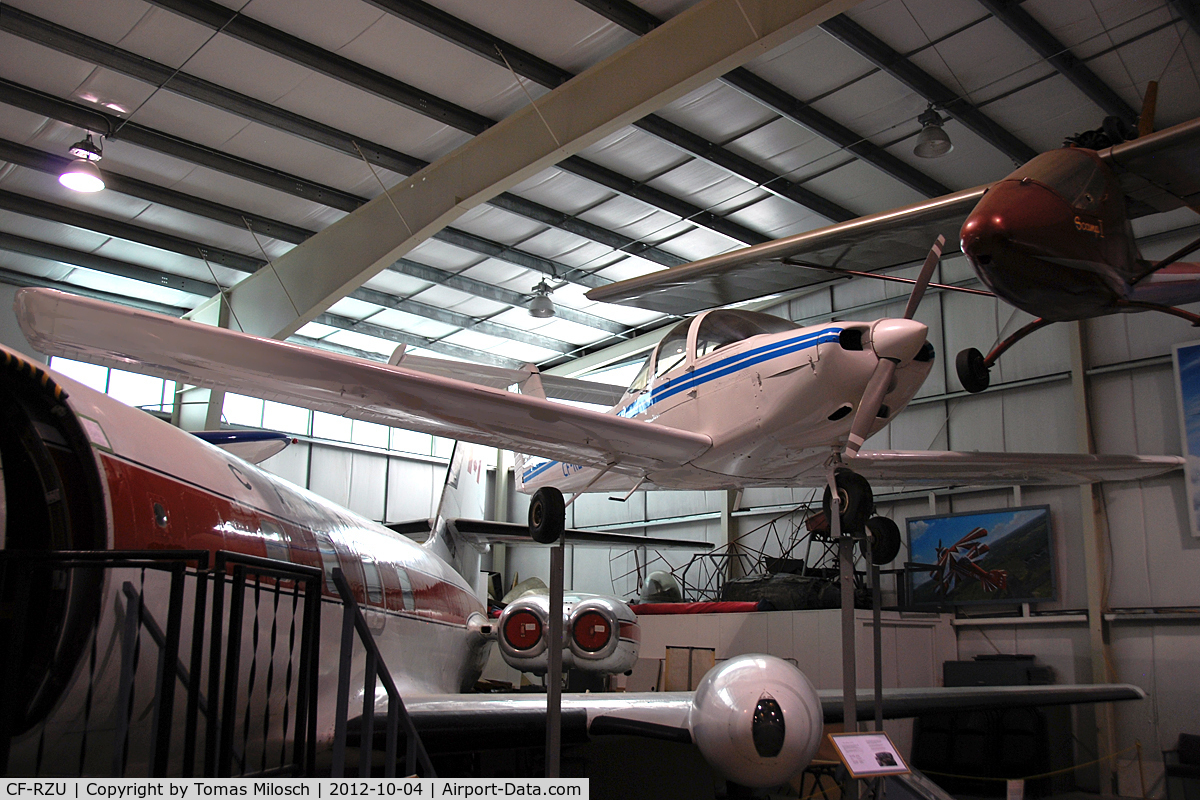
(757, 720)
(898, 339)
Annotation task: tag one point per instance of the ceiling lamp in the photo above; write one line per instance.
(933, 141)
(541, 306)
(83, 175)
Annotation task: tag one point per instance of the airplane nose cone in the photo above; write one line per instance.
(982, 234)
(898, 339)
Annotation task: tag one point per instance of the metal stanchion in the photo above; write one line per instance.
(554, 665)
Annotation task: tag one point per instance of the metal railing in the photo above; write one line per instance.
(94, 720)
(353, 621)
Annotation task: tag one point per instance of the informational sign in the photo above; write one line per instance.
(868, 755)
(1187, 388)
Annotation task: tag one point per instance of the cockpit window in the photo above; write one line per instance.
(1073, 174)
(642, 380)
(673, 350)
(721, 328)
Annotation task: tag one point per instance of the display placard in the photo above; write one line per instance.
(868, 755)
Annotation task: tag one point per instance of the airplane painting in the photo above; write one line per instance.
(83, 471)
(1053, 239)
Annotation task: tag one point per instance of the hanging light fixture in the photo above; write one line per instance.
(82, 175)
(932, 141)
(541, 306)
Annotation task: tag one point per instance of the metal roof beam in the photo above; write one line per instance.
(109, 266)
(306, 54)
(523, 63)
(41, 209)
(77, 45)
(1020, 22)
(412, 340)
(286, 46)
(52, 164)
(499, 294)
(49, 163)
(895, 64)
(1190, 11)
(463, 321)
(638, 21)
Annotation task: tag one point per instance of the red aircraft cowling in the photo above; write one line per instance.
(1053, 238)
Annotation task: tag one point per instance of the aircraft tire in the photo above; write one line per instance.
(855, 498)
(547, 515)
(972, 373)
(883, 545)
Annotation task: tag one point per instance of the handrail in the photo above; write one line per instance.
(353, 620)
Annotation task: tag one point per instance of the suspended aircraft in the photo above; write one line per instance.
(82, 471)
(728, 399)
(1053, 239)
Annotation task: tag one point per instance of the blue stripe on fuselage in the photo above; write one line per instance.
(718, 369)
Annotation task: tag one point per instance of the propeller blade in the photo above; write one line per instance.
(931, 261)
(1149, 106)
(868, 407)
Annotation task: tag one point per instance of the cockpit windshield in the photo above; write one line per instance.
(725, 327)
(1075, 175)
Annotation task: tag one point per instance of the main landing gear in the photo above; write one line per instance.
(880, 536)
(547, 515)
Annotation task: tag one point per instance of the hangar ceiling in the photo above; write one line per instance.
(234, 132)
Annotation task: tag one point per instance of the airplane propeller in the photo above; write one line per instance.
(892, 340)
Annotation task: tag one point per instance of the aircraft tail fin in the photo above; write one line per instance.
(464, 495)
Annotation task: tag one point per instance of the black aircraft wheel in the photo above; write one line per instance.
(972, 372)
(855, 498)
(883, 542)
(547, 515)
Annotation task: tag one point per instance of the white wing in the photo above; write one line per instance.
(76, 327)
(933, 467)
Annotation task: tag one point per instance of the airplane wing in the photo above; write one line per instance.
(557, 388)
(934, 467)
(76, 327)
(1158, 172)
(488, 532)
(513, 720)
(869, 243)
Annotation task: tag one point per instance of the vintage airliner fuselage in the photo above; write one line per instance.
(774, 397)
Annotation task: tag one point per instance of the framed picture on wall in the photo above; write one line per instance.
(1000, 556)
(1187, 394)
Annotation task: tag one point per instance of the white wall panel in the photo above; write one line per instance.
(414, 489)
(664, 505)
(1107, 339)
(596, 509)
(975, 423)
(919, 428)
(329, 473)
(291, 463)
(368, 484)
(1040, 419)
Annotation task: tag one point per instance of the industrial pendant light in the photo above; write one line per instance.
(82, 175)
(541, 306)
(932, 141)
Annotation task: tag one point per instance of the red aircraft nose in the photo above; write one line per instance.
(984, 232)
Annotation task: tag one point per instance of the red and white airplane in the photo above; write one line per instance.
(726, 403)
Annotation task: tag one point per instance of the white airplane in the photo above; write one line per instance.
(725, 402)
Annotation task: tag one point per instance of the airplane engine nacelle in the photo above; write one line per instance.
(757, 720)
(600, 634)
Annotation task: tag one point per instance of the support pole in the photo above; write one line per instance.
(849, 667)
(1091, 513)
(877, 642)
(554, 658)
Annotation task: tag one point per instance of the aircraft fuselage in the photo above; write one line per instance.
(773, 404)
